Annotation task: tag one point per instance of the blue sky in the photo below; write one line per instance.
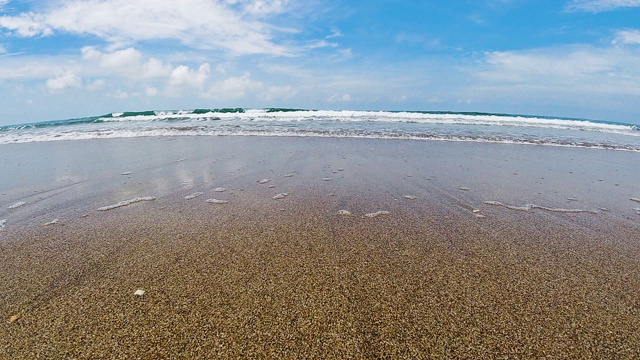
(74, 58)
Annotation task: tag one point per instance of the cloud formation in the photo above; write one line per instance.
(233, 88)
(596, 6)
(237, 27)
(629, 37)
(127, 62)
(582, 69)
(64, 80)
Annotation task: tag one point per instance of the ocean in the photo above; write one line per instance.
(444, 126)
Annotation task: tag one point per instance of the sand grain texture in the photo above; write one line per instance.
(246, 280)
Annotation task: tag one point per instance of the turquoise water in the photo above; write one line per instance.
(447, 126)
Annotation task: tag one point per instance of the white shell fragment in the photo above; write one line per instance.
(52, 222)
(220, 189)
(263, 181)
(635, 199)
(217, 201)
(139, 292)
(410, 197)
(126, 173)
(280, 196)
(344, 212)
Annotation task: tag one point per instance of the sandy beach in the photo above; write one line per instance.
(374, 249)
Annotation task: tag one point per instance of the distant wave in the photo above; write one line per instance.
(425, 125)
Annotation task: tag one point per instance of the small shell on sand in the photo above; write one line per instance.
(280, 196)
(217, 201)
(14, 318)
(219, 189)
(126, 173)
(289, 175)
(410, 197)
(52, 222)
(344, 212)
(139, 292)
(475, 211)
(463, 188)
(635, 199)
(377, 213)
(327, 179)
(263, 181)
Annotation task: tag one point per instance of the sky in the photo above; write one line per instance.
(62, 59)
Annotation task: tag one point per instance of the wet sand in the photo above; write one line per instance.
(446, 272)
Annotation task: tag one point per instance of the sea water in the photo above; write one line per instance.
(448, 126)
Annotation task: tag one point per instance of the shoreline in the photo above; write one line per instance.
(291, 277)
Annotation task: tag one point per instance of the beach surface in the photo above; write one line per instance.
(274, 247)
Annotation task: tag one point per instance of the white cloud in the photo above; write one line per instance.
(233, 87)
(334, 34)
(320, 44)
(26, 25)
(264, 7)
(128, 63)
(183, 76)
(64, 80)
(119, 94)
(96, 85)
(273, 93)
(627, 37)
(596, 6)
(339, 98)
(151, 91)
(577, 69)
(202, 24)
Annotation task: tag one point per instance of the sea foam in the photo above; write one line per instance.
(2, 223)
(194, 195)
(126, 202)
(529, 207)
(17, 205)
(376, 214)
(217, 201)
